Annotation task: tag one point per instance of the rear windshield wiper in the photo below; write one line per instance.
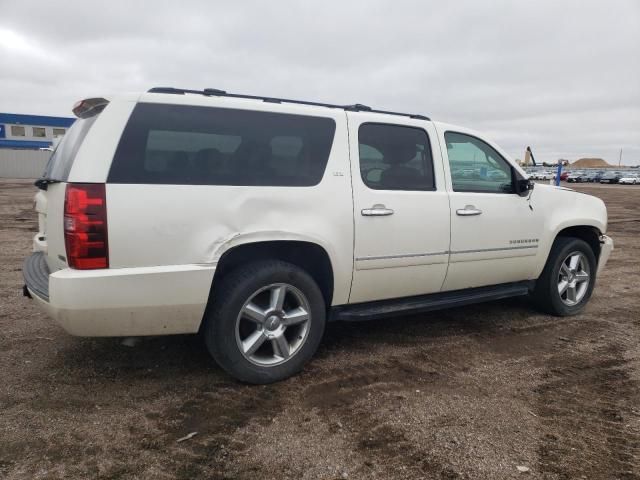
(42, 183)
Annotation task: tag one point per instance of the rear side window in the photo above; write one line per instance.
(189, 145)
(61, 160)
(394, 157)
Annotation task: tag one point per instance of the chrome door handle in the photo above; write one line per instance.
(468, 211)
(377, 211)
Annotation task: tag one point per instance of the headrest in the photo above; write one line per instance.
(399, 154)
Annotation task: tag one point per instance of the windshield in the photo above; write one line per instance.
(59, 165)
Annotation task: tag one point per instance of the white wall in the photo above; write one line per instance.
(22, 163)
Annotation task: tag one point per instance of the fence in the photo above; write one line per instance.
(22, 163)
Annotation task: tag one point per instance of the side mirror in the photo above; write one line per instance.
(524, 186)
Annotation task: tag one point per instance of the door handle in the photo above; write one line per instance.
(377, 211)
(468, 211)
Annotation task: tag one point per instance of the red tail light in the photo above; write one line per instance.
(85, 226)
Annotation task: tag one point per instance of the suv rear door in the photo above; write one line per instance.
(401, 207)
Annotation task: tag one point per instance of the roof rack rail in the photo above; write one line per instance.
(214, 92)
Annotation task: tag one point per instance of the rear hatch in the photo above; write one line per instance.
(49, 201)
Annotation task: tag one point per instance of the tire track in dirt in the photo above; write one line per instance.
(385, 448)
(215, 414)
(586, 404)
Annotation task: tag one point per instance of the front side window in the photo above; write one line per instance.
(476, 166)
(394, 157)
(17, 131)
(58, 132)
(179, 144)
(39, 132)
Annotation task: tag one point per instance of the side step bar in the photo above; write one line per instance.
(425, 303)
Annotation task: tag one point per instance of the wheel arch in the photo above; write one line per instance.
(308, 255)
(588, 233)
(584, 231)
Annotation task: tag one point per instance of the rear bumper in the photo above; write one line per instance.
(121, 302)
(606, 247)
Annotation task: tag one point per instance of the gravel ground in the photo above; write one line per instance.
(468, 393)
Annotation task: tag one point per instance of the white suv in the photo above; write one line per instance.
(254, 220)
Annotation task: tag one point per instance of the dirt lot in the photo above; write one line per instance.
(466, 393)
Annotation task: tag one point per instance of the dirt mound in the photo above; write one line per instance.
(591, 163)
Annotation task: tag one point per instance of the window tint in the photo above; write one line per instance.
(476, 166)
(178, 144)
(394, 157)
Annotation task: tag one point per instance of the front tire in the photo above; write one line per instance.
(568, 278)
(265, 321)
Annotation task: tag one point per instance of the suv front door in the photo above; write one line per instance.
(401, 208)
(494, 232)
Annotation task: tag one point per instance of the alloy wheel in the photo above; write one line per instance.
(573, 278)
(273, 324)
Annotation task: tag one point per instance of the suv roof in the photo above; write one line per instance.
(213, 92)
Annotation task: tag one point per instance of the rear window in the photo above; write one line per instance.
(61, 161)
(178, 144)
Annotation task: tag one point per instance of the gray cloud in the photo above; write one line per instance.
(563, 77)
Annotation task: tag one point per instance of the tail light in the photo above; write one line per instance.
(85, 226)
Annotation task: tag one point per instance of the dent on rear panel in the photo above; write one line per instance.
(253, 219)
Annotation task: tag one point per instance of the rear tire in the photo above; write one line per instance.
(265, 321)
(568, 278)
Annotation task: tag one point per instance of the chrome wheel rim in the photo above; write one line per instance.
(273, 324)
(573, 278)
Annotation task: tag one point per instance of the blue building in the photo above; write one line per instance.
(31, 131)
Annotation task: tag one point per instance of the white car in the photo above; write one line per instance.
(256, 220)
(630, 179)
(542, 175)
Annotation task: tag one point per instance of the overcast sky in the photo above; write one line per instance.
(561, 76)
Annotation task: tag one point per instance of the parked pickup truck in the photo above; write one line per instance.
(256, 220)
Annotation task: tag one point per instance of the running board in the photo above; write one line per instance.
(425, 303)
